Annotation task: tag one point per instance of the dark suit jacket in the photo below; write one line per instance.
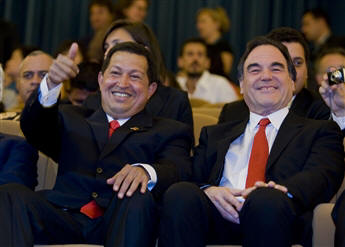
(77, 139)
(167, 102)
(17, 161)
(306, 104)
(307, 157)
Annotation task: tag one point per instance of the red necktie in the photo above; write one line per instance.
(91, 209)
(113, 125)
(258, 156)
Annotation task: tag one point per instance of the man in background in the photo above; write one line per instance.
(197, 80)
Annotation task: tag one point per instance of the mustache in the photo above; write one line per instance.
(195, 63)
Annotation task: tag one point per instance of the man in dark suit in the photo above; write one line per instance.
(17, 161)
(304, 103)
(107, 184)
(253, 183)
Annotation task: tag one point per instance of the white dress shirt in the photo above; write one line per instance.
(237, 158)
(212, 88)
(48, 98)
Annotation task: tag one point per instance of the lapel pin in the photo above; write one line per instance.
(134, 128)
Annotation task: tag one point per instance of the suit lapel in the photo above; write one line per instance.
(288, 130)
(99, 126)
(138, 123)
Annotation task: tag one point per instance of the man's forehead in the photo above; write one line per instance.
(195, 46)
(37, 62)
(265, 54)
(128, 59)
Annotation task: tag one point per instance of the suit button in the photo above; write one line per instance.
(99, 170)
(94, 195)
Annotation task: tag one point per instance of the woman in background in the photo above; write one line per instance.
(212, 23)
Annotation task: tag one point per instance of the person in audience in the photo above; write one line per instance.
(256, 177)
(166, 102)
(305, 103)
(31, 71)
(199, 82)
(329, 60)
(101, 15)
(132, 10)
(111, 173)
(212, 24)
(12, 73)
(17, 161)
(84, 84)
(317, 30)
(338, 216)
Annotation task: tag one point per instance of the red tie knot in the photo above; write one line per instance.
(264, 122)
(114, 124)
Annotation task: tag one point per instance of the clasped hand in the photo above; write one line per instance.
(126, 181)
(226, 199)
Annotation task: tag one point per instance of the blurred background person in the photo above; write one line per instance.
(212, 24)
(317, 30)
(10, 94)
(132, 10)
(198, 81)
(333, 94)
(31, 71)
(101, 15)
(84, 84)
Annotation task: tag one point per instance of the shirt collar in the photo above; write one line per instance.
(121, 121)
(276, 118)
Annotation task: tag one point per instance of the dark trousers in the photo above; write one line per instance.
(189, 218)
(27, 218)
(338, 215)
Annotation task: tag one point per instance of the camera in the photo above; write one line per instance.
(336, 76)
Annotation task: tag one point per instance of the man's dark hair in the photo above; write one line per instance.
(290, 35)
(259, 41)
(192, 40)
(87, 78)
(137, 49)
(318, 13)
(143, 35)
(105, 3)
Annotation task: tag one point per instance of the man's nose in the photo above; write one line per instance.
(266, 75)
(123, 81)
(36, 80)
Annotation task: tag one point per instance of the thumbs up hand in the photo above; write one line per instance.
(63, 68)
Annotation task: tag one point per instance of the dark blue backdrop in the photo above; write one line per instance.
(47, 22)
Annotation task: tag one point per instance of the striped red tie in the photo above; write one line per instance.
(258, 156)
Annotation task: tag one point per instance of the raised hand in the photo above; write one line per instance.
(63, 68)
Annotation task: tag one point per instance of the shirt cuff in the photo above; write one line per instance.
(339, 120)
(48, 97)
(152, 173)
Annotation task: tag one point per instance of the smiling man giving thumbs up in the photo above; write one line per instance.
(113, 163)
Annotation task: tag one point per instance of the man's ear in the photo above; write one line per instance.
(100, 78)
(152, 89)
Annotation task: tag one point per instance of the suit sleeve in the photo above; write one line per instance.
(323, 171)
(173, 161)
(185, 112)
(40, 126)
(19, 166)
